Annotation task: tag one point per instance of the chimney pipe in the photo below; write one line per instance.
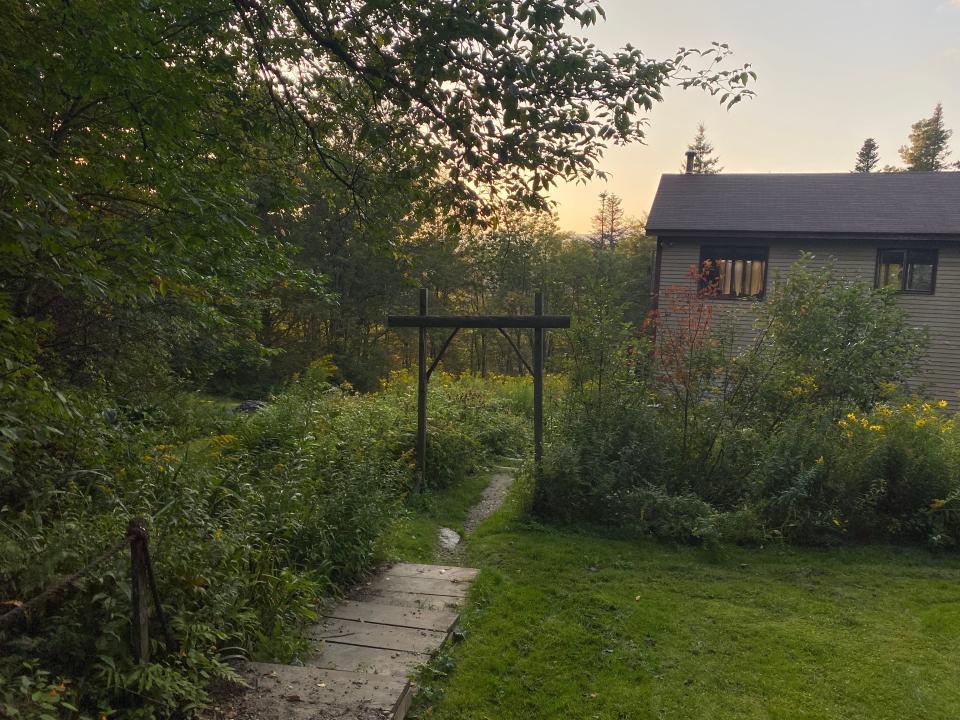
(691, 156)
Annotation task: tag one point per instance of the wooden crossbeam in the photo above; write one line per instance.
(492, 322)
(538, 322)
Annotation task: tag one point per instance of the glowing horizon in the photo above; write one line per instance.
(831, 74)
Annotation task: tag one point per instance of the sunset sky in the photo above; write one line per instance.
(831, 73)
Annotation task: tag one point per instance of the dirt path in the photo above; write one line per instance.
(490, 501)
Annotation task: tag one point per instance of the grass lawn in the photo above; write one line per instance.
(565, 624)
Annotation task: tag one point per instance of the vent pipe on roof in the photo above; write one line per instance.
(691, 156)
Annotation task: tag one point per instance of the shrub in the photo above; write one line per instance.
(796, 436)
(251, 523)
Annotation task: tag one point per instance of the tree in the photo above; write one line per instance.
(608, 223)
(868, 157)
(928, 149)
(704, 163)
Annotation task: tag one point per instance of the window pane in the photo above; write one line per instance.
(739, 267)
(756, 276)
(920, 278)
(739, 271)
(891, 269)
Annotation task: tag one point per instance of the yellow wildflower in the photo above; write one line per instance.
(926, 407)
(920, 422)
(876, 428)
(864, 423)
(937, 504)
(851, 417)
(884, 411)
(941, 404)
(147, 458)
(217, 534)
(908, 407)
(820, 460)
(842, 423)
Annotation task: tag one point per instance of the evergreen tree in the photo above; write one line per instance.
(704, 163)
(928, 149)
(608, 223)
(868, 157)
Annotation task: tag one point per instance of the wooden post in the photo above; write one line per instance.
(538, 384)
(139, 591)
(421, 451)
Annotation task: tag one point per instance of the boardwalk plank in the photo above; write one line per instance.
(286, 692)
(376, 661)
(385, 614)
(388, 637)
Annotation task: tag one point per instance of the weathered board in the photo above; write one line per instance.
(387, 637)
(410, 599)
(358, 658)
(420, 585)
(433, 572)
(372, 612)
(309, 693)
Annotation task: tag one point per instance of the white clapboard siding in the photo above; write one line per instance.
(939, 375)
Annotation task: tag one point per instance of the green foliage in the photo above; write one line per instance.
(254, 520)
(705, 162)
(868, 156)
(779, 439)
(929, 145)
(848, 337)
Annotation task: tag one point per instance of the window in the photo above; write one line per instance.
(908, 271)
(735, 272)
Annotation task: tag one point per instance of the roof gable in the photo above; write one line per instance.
(829, 203)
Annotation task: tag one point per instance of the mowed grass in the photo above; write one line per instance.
(565, 624)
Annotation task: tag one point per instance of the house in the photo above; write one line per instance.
(899, 230)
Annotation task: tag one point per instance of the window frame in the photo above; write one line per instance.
(723, 251)
(905, 274)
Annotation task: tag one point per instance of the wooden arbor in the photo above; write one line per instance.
(538, 322)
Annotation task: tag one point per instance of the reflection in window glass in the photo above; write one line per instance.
(735, 272)
(907, 270)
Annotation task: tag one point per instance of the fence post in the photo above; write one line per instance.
(421, 451)
(139, 593)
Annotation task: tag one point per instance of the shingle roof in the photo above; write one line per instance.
(831, 203)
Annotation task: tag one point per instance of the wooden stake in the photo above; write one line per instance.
(140, 592)
(421, 451)
(538, 383)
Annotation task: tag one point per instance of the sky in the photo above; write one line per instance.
(831, 73)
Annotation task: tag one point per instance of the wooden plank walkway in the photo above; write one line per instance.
(367, 647)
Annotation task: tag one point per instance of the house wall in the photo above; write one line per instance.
(939, 376)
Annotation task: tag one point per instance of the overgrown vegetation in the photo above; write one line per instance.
(798, 435)
(251, 526)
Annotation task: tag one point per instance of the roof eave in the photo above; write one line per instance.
(800, 235)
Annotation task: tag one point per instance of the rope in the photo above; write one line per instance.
(9, 617)
(136, 532)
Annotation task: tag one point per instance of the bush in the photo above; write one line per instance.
(796, 437)
(251, 525)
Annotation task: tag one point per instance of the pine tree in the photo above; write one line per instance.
(704, 163)
(868, 157)
(928, 149)
(608, 223)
